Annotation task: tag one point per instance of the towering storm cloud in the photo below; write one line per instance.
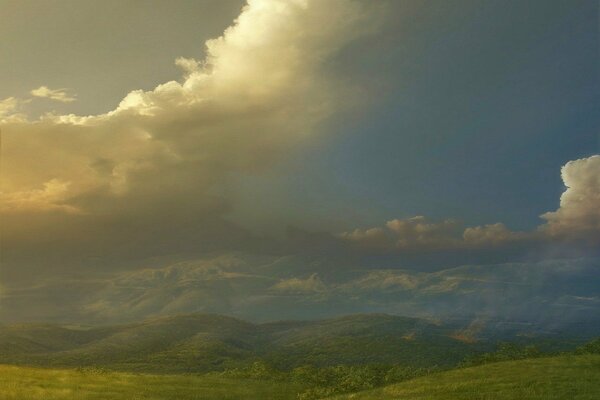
(318, 157)
(155, 169)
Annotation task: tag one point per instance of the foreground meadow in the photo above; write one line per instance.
(573, 377)
(21, 383)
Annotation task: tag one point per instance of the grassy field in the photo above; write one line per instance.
(564, 377)
(20, 383)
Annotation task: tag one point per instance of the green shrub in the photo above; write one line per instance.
(592, 347)
(504, 352)
(259, 370)
(329, 381)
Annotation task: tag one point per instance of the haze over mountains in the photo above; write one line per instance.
(205, 342)
(547, 296)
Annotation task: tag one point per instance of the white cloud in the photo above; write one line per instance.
(312, 284)
(258, 92)
(578, 216)
(61, 95)
(419, 233)
(10, 109)
(188, 65)
(384, 280)
(492, 234)
(8, 106)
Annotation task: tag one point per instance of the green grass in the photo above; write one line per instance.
(564, 377)
(23, 383)
(572, 377)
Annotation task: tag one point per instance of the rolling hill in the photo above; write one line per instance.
(565, 377)
(205, 342)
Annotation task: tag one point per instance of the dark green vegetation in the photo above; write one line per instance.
(572, 377)
(328, 381)
(504, 352)
(202, 343)
(592, 347)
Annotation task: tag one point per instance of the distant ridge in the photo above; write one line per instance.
(207, 342)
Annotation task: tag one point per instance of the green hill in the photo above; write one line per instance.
(204, 342)
(564, 377)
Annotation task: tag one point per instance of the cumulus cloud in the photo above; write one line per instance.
(257, 93)
(188, 65)
(419, 233)
(8, 106)
(492, 234)
(577, 219)
(61, 95)
(162, 157)
(384, 280)
(312, 284)
(578, 216)
(10, 109)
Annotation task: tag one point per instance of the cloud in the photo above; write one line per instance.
(152, 174)
(9, 109)
(384, 280)
(312, 284)
(578, 216)
(8, 106)
(60, 95)
(493, 234)
(419, 233)
(188, 65)
(577, 220)
(52, 197)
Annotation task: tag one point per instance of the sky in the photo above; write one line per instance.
(297, 150)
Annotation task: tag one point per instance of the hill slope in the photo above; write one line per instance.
(565, 377)
(204, 342)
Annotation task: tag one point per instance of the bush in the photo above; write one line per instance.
(330, 381)
(258, 370)
(399, 373)
(505, 352)
(592, 347)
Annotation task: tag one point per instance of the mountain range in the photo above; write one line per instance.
(543, 296)
(208, 342)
